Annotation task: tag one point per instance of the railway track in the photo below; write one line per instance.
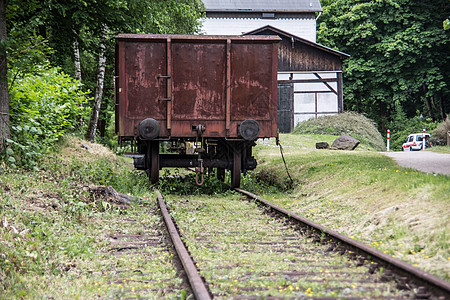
(253, 249)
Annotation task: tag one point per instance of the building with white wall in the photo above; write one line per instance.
(235, 17)
(310, 79)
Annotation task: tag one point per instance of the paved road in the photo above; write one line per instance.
(425, 161)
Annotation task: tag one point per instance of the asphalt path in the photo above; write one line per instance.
(425, 161)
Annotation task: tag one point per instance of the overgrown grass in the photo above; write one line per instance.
(55, 235)
(52, 231)
(177, 181)
(348, 123)
(366, 195)
(84, 162)
(243, 252)
(439, 149)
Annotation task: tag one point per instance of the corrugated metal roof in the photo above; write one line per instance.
(263, 5)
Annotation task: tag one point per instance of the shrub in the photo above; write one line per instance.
(44, 107)
(349, 123)
(439, 134)
(175, 183)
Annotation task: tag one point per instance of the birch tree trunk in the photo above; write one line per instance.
(4, 95)
(90, 134)
(76, 52)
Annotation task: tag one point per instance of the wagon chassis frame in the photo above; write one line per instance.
(220, 153)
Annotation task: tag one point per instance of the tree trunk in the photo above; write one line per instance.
(383, 115)
(4, 95)
(101, 127)
(433, 104)
(427, 102)
(90, 134)
(76, 52)
(442, 108)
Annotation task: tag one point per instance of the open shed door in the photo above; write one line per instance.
(285, 107)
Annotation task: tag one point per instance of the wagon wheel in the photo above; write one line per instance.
(221, 174)
(153, 161)
(236, 170)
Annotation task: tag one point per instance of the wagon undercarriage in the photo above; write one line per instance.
(212, 154)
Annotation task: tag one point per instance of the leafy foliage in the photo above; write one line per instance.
(44, 107)
(28, 56)
(398, 54)
(23, 150)
(441, 131)
(175, 183)
(350, 123)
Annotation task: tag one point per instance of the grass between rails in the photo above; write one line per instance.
(56, 238)
(241, 251)
(367, 196)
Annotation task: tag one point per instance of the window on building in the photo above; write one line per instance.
(268, 15)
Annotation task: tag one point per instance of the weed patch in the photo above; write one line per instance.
(175, 183)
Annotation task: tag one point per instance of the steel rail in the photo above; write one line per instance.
(198, 287)
(436, 285)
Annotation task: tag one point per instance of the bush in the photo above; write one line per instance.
(349, 123)
(44, 107)
(439, 134)
(175, 183)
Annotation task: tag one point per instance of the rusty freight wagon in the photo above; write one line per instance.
(205, 98)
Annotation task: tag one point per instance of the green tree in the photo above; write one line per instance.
(69, 27)
(399, 55)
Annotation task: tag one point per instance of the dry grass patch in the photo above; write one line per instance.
(85, 151)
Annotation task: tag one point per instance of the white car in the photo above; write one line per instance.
(414, 142)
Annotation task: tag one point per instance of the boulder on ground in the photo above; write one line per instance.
(322, 145)
(345, 142)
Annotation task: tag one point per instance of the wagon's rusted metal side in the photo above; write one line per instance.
(192, 88)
